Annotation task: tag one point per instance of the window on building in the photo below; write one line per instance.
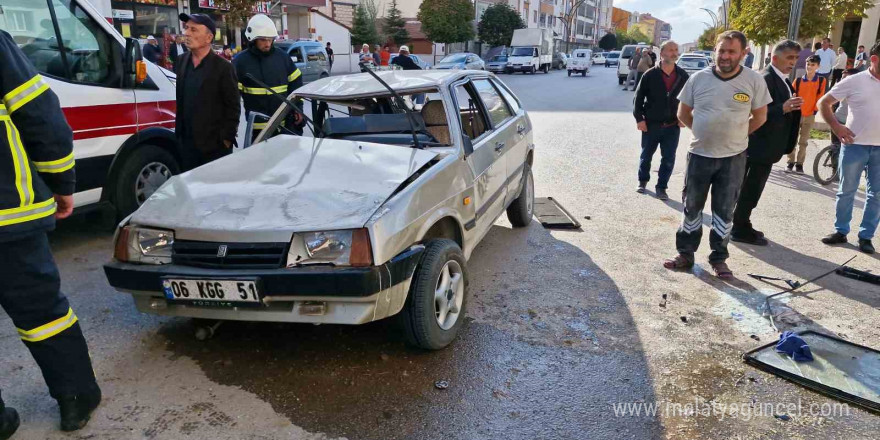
(534, 16)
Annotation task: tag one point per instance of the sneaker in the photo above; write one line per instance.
(799, 168)
(835, 238)
(641, 189)
(661, 194)
(748, 236)
(8, 422)
(76, 410)
(790, 167)
(866, 246)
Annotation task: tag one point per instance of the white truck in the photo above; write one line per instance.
(531, 50)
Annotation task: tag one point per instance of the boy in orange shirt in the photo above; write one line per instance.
(810, 87)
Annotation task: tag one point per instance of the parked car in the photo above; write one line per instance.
(612, 58)
(581, 60)
(309, 56)
(560, 60)
(708, 54)
(497, 64)
(419, 62)
(375, 216)
(693, 63)
(461, 61)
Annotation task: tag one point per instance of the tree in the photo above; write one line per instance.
(706, 40)
(395, 26)
(637, 36)
(498, 23)
(623, 38)
(240, 11)
(766, 21)
(362, 29)
(608, 42)
(447, 21)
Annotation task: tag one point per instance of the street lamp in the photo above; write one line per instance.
(713, 15)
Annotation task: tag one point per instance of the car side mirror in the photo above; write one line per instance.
(294, 59)
(468, 145)
(133, 64)
(251, 121)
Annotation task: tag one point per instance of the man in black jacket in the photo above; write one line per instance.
(404, 61)
(655, 109)
(776, 138)
(208, 104)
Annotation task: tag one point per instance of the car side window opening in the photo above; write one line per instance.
(495, 105)
(473, 121)
(88, 51)
(511, 100)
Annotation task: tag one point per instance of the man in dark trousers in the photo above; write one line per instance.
(37, 180)
(208, 104)
(776, 138)
(655, 109)
(330, 58)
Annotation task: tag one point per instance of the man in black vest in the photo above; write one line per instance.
(655, 109)
(767, 145)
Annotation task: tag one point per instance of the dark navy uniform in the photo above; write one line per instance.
(36, 162)
(276, 70)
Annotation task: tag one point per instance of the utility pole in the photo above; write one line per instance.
(794, 23)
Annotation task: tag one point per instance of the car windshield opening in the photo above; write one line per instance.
(454, 58)
(378, 118)
(499, 58)
(522, 52)
(692, 63)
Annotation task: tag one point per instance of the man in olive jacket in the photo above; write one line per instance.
(208, 103)
(767, 145)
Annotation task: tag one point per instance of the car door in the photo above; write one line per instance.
(509, 122)
(485, 161)
(301, 64)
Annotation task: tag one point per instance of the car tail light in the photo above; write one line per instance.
(361, 251)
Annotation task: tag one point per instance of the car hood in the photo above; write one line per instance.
(286, 184)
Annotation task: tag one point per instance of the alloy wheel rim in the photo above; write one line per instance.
(449, 295)
(151, 177)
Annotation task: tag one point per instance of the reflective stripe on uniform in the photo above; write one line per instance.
(260, 125)
(55, 166)
(296, 73)
(261, 91)
(23, 214)
(46, 331)
(25, 93)
(23, 182)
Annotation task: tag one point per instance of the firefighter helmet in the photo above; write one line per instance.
(260, 26)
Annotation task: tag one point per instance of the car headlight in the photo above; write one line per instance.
(144, 245)
(350, 247)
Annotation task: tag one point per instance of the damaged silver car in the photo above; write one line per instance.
(374, 216)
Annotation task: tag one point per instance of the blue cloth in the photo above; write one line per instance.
(853, 160)
(793, 345)
(667, 139)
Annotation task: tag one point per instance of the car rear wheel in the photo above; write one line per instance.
(437, 300)
(569, 73)
(532, 70)
(144, 171)
(521, 210)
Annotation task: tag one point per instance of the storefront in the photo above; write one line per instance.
(140, 18)
(216, 9)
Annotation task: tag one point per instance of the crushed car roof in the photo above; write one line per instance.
(364, 84)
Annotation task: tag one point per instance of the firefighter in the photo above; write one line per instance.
(36, 182)
(273, 67)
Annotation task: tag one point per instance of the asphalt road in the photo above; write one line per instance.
(562, 325)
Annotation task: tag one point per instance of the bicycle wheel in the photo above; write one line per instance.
(825, 165)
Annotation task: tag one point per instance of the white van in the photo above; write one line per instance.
(626, 53)
(121, 108)
(580, 61)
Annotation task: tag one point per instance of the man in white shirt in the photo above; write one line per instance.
(861, 148)
(839, 66)
(826, 54)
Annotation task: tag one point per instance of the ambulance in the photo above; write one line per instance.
(121, 107)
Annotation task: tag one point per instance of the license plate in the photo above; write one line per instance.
(212, 293)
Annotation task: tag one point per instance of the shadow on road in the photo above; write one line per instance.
(548, 347)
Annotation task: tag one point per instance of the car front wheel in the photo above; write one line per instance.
(521, 210)
(143, 172)
(436, 304)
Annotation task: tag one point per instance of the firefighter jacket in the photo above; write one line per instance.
(273, 68)
(36, 147)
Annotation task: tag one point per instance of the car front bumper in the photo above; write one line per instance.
(345, 295)
(520, 68)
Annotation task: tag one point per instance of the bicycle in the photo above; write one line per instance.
(825, 169)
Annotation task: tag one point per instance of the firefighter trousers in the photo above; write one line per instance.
(30, 294)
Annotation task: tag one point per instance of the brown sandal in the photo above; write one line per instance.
(679, 262)
(722, 271)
